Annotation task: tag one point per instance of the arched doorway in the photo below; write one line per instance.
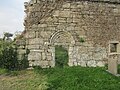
(62, 39)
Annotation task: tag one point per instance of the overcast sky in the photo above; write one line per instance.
(11, 15)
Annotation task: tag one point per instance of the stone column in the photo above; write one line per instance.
(52, 51)
(70, 53)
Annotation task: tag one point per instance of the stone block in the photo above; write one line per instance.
(91, 63)
(75, 63)
(70, 28)
(69, 20)
(80, 32)
(56, 13)
(45, 34)
(43, 56)
(31, 34)
(113, 64)
(100, 64)
(97, 56)
(44, 64)
(76, 20)
(34, 55)
(84, 57)
(82, 63)
(36, 41)
(66, 5)
(33, 46)
(49, 19)
(70, 63)
(82, 49)
(51, 28)
(62, 20)
(42, 25)
(49, 57)
(65, 14)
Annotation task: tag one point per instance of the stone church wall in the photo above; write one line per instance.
(85, 26)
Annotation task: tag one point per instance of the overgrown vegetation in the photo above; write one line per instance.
(9, 56)
(67, 78)
(80, 78)
(81, 40)
(23, 63)
(61, 56)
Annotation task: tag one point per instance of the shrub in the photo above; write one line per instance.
(9, 58)
(3, 71)
(24, 63)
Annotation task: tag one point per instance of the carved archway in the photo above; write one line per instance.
(66, 35)
(62, 38)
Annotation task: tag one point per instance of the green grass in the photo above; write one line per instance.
(67, 78)
(78, 78)
(23, 80)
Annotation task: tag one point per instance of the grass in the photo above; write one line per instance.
(78, 78)
(23, 80)
(67, 78)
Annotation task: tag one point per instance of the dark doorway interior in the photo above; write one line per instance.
(61, 56)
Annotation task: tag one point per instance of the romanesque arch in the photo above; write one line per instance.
(64, 34)
(62, 38)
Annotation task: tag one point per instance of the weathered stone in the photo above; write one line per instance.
(66, 5)
(70, 63)
(112, 64)
(91, 63)
(43, 56)
(75, 64)
(42, 25)
(34, 55)
(81, 26)
(49, 57)
(30, 34)
(33, 46)
(44, 64)
(56, 13)
(100, 64)
(83, 63)
(65, 14)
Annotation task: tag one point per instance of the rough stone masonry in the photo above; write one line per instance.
(89, 28)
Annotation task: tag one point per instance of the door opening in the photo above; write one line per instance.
(61, 56)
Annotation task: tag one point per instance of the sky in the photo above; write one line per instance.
(11, 16)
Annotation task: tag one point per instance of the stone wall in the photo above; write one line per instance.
(66, 22)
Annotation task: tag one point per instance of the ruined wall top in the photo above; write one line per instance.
(103, 1)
